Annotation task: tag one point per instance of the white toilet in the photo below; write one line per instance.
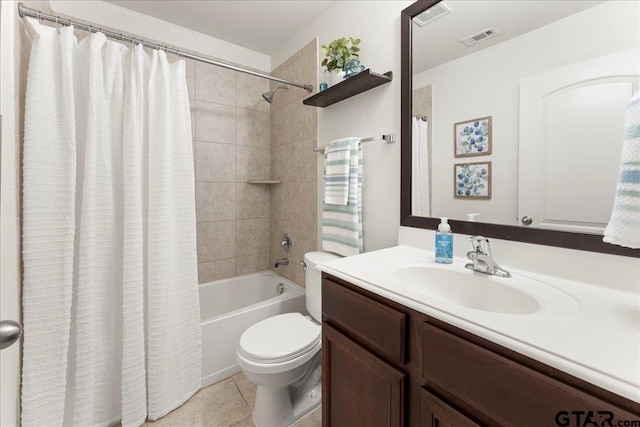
(281, 355)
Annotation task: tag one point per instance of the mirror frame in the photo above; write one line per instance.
(562, 239)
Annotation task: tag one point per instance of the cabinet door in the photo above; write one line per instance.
(358, 389)
(436, 413)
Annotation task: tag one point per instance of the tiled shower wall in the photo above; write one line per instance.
(231, 145)
(294, 129)
(238, 136)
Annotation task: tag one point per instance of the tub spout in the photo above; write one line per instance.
(281, 261)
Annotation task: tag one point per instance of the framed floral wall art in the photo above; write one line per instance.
(472, 137)
(472, 180)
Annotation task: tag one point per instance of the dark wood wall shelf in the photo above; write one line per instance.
(359, 83)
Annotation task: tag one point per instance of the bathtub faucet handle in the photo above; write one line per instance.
(287, 242)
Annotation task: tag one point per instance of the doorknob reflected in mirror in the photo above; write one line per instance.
(10, 332)
(526, 220)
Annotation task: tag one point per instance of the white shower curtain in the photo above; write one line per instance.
(110, 293)
(420, 183)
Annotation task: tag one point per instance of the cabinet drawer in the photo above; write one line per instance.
(382, 327)
(504, 391)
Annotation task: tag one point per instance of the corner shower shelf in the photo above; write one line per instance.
(359, 83)
(264, 181)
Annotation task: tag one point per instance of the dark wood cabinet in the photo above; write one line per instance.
(380, 326)
(387, 365)
(507, 393)
(360, 389)
(436, 413)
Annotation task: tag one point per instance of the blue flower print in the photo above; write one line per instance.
(472, 180)
(473, 139)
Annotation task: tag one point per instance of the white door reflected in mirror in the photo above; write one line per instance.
(571, 133)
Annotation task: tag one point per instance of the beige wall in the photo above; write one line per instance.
(422, 105)
(421, 102)
(238, 137)
(231, 135)
(294, 128)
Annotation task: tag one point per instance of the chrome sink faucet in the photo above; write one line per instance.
(481, 258)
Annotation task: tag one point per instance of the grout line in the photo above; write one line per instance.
(233, 378)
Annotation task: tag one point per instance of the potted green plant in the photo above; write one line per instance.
(338, 53)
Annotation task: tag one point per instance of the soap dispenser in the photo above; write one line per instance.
(444, 242)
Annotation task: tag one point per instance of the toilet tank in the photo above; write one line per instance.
(313, 279)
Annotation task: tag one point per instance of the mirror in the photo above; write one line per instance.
(488, 138)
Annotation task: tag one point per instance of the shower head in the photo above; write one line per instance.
(268, 96)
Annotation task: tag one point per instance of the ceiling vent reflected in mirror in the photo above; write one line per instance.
(434, 12)
(481, 36)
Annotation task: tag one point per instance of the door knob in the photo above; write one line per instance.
(10, 332)
(526, 220)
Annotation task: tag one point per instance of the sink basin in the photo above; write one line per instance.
(630, 316)
(480, 293)
(453, 284)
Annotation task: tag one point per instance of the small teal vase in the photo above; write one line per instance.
(352, 68)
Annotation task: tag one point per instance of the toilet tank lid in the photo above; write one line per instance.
(318, 257)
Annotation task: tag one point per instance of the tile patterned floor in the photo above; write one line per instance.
(224, 404)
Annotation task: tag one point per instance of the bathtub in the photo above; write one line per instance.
(228, 307)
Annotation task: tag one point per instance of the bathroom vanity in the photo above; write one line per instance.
(391, 358)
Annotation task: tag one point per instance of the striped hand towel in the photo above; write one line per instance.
(342, 223)
(336, 172)
(624, 226)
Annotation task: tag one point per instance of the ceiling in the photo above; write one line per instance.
(439, 41)
(262, 26)
(265, 25)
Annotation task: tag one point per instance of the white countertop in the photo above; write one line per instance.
(596, 338)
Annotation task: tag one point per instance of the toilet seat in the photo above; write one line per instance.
(279, 339)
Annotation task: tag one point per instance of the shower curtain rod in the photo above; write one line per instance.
(27, 11)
